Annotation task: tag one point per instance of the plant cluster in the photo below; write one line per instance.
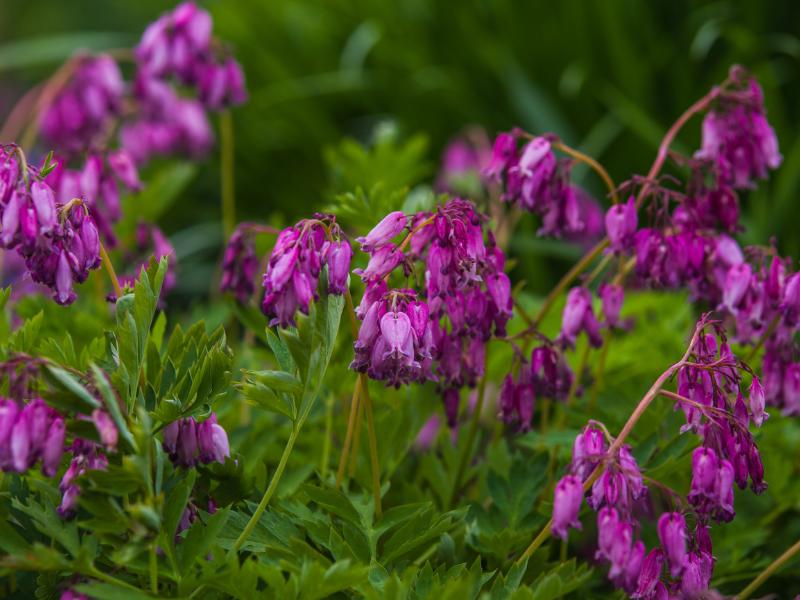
(150, 452)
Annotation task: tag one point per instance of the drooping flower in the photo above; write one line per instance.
(380, 235)
(179, 45)
(339, 255)
(650, 576)
(579, 316)
(537, 182)
(621, 223)
(86, 456)
(672, 533)
(567, 500)
(292, 275)
(588, 450)
(189, 443)
(614, 540)
(612, 297)
(394, 344)
(106, 429)
(239, 266)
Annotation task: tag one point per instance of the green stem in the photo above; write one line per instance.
(466, 455)
(348, 438)
(112, 275)
(273, 484)
(153, 570)
(95, 573)
(601, 367)
(373, 447)
(367, 402)
(769, 571)
(326, 443)
(228, 166)
(594, 165)
(351, 470)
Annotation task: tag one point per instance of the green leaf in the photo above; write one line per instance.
(111, 591)
(334, 501)
(277, 380)
(66, 381)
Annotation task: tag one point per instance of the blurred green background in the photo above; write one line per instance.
(609, 77)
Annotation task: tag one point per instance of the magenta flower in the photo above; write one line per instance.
(579, 316)
(738, 138)
(239, 266)
(338, 260)
(53, 448)
(621, 223)
(672, 533)
(380, 235)
(83, 111)
(614, 539)
(588, 450)
(292, 275)
(212, 441)
(567, 500)
(612, 297)
(106, 428)
(382, 262)
(757, 402)
(650, 577)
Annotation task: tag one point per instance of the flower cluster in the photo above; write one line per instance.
(30, 433)
(395, 341)
(467, 297)
(179, 48)
(166, 123)
(710, 394)
(547, 375)
(97, 183)
(536, 181)
(188, 442)
(81, 116)
(60, 244)
(738, 138)
(292, 275)
(179, 44)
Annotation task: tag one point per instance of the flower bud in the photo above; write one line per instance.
(106, 428)
(45, 204)
(338, 260)
(53, 448)
(389, 227)
(621, 223)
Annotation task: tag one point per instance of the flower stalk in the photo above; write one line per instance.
(769, 571)
(270, 491)
(228, 172)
